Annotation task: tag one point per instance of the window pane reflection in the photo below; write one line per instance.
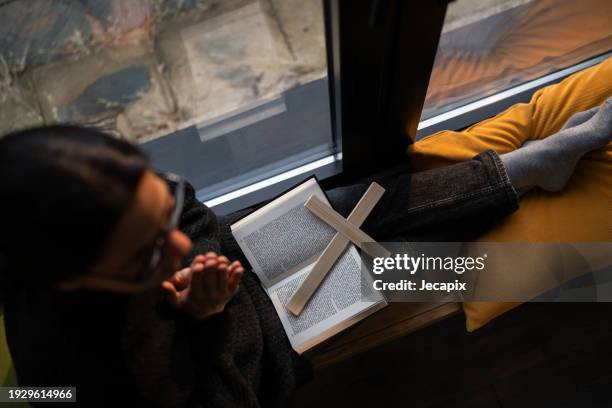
(489, 46)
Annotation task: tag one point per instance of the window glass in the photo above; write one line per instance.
(488, 46)
(224, 92)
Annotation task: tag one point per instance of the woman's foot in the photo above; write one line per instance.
(549, 163)
(579, 118)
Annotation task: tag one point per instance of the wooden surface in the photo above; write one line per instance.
(537, 355)
(394, 321)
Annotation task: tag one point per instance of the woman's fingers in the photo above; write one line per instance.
(212, 272)
(209, 271)
(210, 277)
(221, 277)
(172, 294)
(211, 255)
(198, 260)
(232, 269)
(235, 279)
(213, 281)
(181, 279)
(201, 281)
(169, 287)
(235, 274)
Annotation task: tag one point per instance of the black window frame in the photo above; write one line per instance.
(380, 55)
(384, 47)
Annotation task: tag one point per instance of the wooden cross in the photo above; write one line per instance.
(347, 231)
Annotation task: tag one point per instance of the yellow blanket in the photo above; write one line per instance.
(582, 212)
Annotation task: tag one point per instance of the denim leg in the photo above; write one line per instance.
(453, 203)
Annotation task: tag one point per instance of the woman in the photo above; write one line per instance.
(90, 251)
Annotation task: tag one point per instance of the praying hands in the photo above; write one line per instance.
(205, 287)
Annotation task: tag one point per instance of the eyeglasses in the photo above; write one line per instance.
(151, 254)
(176, 184)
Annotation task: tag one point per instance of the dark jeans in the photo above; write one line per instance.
(453, 203)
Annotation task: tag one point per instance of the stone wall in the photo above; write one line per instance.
(144, 68)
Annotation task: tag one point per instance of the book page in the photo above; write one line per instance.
(339, 299)
(283, 237)
(282, 240)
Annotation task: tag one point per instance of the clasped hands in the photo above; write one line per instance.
(205, 287)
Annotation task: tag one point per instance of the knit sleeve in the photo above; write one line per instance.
(219, 381)
(242, 355)
(200, 224)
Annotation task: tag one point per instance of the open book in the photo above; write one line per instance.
(282, 240)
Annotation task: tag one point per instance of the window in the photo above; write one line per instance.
(487, 47)
(235, 94)
(250, 81)
(224, 92)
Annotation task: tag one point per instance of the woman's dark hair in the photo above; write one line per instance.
(62, 189)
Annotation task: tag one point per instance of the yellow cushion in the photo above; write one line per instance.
(5, 356)
(7, 373)
(581, 212)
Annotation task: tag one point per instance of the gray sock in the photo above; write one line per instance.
(575, 120)
(549, 163)
(580, 117)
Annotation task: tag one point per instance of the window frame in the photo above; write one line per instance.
(470, 113)
(365, 39)
(371, 133)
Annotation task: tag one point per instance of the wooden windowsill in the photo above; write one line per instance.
(394, 321)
